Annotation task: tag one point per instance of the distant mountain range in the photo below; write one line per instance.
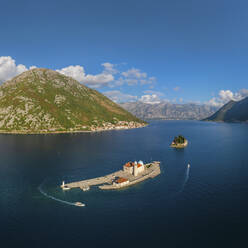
(169, 111)
(232, 112)
(44, 101)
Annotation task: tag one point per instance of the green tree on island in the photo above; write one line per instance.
(179, 139)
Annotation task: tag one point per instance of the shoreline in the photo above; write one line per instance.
(67, 132)
(183, 145)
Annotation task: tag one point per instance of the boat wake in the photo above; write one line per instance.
(186, 178)
(54, 198)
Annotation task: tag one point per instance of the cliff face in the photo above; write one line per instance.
(169, 111)
(232, 112)
(42, 100)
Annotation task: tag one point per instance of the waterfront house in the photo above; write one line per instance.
(120, 182)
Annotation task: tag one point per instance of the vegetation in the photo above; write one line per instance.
(232, 112)
(179, 142)
(179, 139)
(43, 101)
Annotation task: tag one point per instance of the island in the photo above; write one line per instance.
(132, 173)
(179, 142)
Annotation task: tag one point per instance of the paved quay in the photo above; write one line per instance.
(106, 182)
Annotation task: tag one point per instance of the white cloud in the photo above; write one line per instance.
(117, 96)
(158, 93)
(150, 80)
(9, 69)
(242, 94)
(226, 96)
(32, 67)
(134, 77)
(131, 82)
(134, 73)
(120, 81)
(74, 71)
(151, 99)
(109, 68)
(98, 80)
(131, 77)
(77, 72)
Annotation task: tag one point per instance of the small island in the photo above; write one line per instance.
(179, 142)
(132, 173)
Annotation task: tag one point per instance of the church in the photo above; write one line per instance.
(134, 168)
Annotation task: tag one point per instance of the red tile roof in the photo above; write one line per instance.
(130, 164)
(121, 180)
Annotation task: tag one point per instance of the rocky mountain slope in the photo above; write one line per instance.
(169, 111)
(43, 101)
(232, 112)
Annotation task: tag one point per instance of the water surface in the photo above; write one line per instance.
(204, 206)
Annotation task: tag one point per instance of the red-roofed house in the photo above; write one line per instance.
(120, 182)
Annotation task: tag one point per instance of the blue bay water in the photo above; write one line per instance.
(203, 206)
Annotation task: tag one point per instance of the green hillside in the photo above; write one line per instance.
(232, 112)
(42, 100)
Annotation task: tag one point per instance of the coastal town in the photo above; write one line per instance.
(96, 127)
(116, 126)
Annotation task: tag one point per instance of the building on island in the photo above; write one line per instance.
(134, 168)
(120, 182)
(131, 174)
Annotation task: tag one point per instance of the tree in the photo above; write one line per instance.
(179, 140)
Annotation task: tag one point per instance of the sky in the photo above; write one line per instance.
(147, 50)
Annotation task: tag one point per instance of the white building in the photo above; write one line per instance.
(134, 168)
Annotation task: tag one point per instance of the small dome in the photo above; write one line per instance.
(141, 162)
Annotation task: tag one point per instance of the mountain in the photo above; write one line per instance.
(232, 112)
(169, 111)
(44, 101)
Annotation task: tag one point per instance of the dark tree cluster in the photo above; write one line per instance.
(179, 139)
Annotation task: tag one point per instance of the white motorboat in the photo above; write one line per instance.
(79, 204)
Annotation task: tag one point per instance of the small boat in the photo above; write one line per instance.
(79, 204)
(188, 165)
